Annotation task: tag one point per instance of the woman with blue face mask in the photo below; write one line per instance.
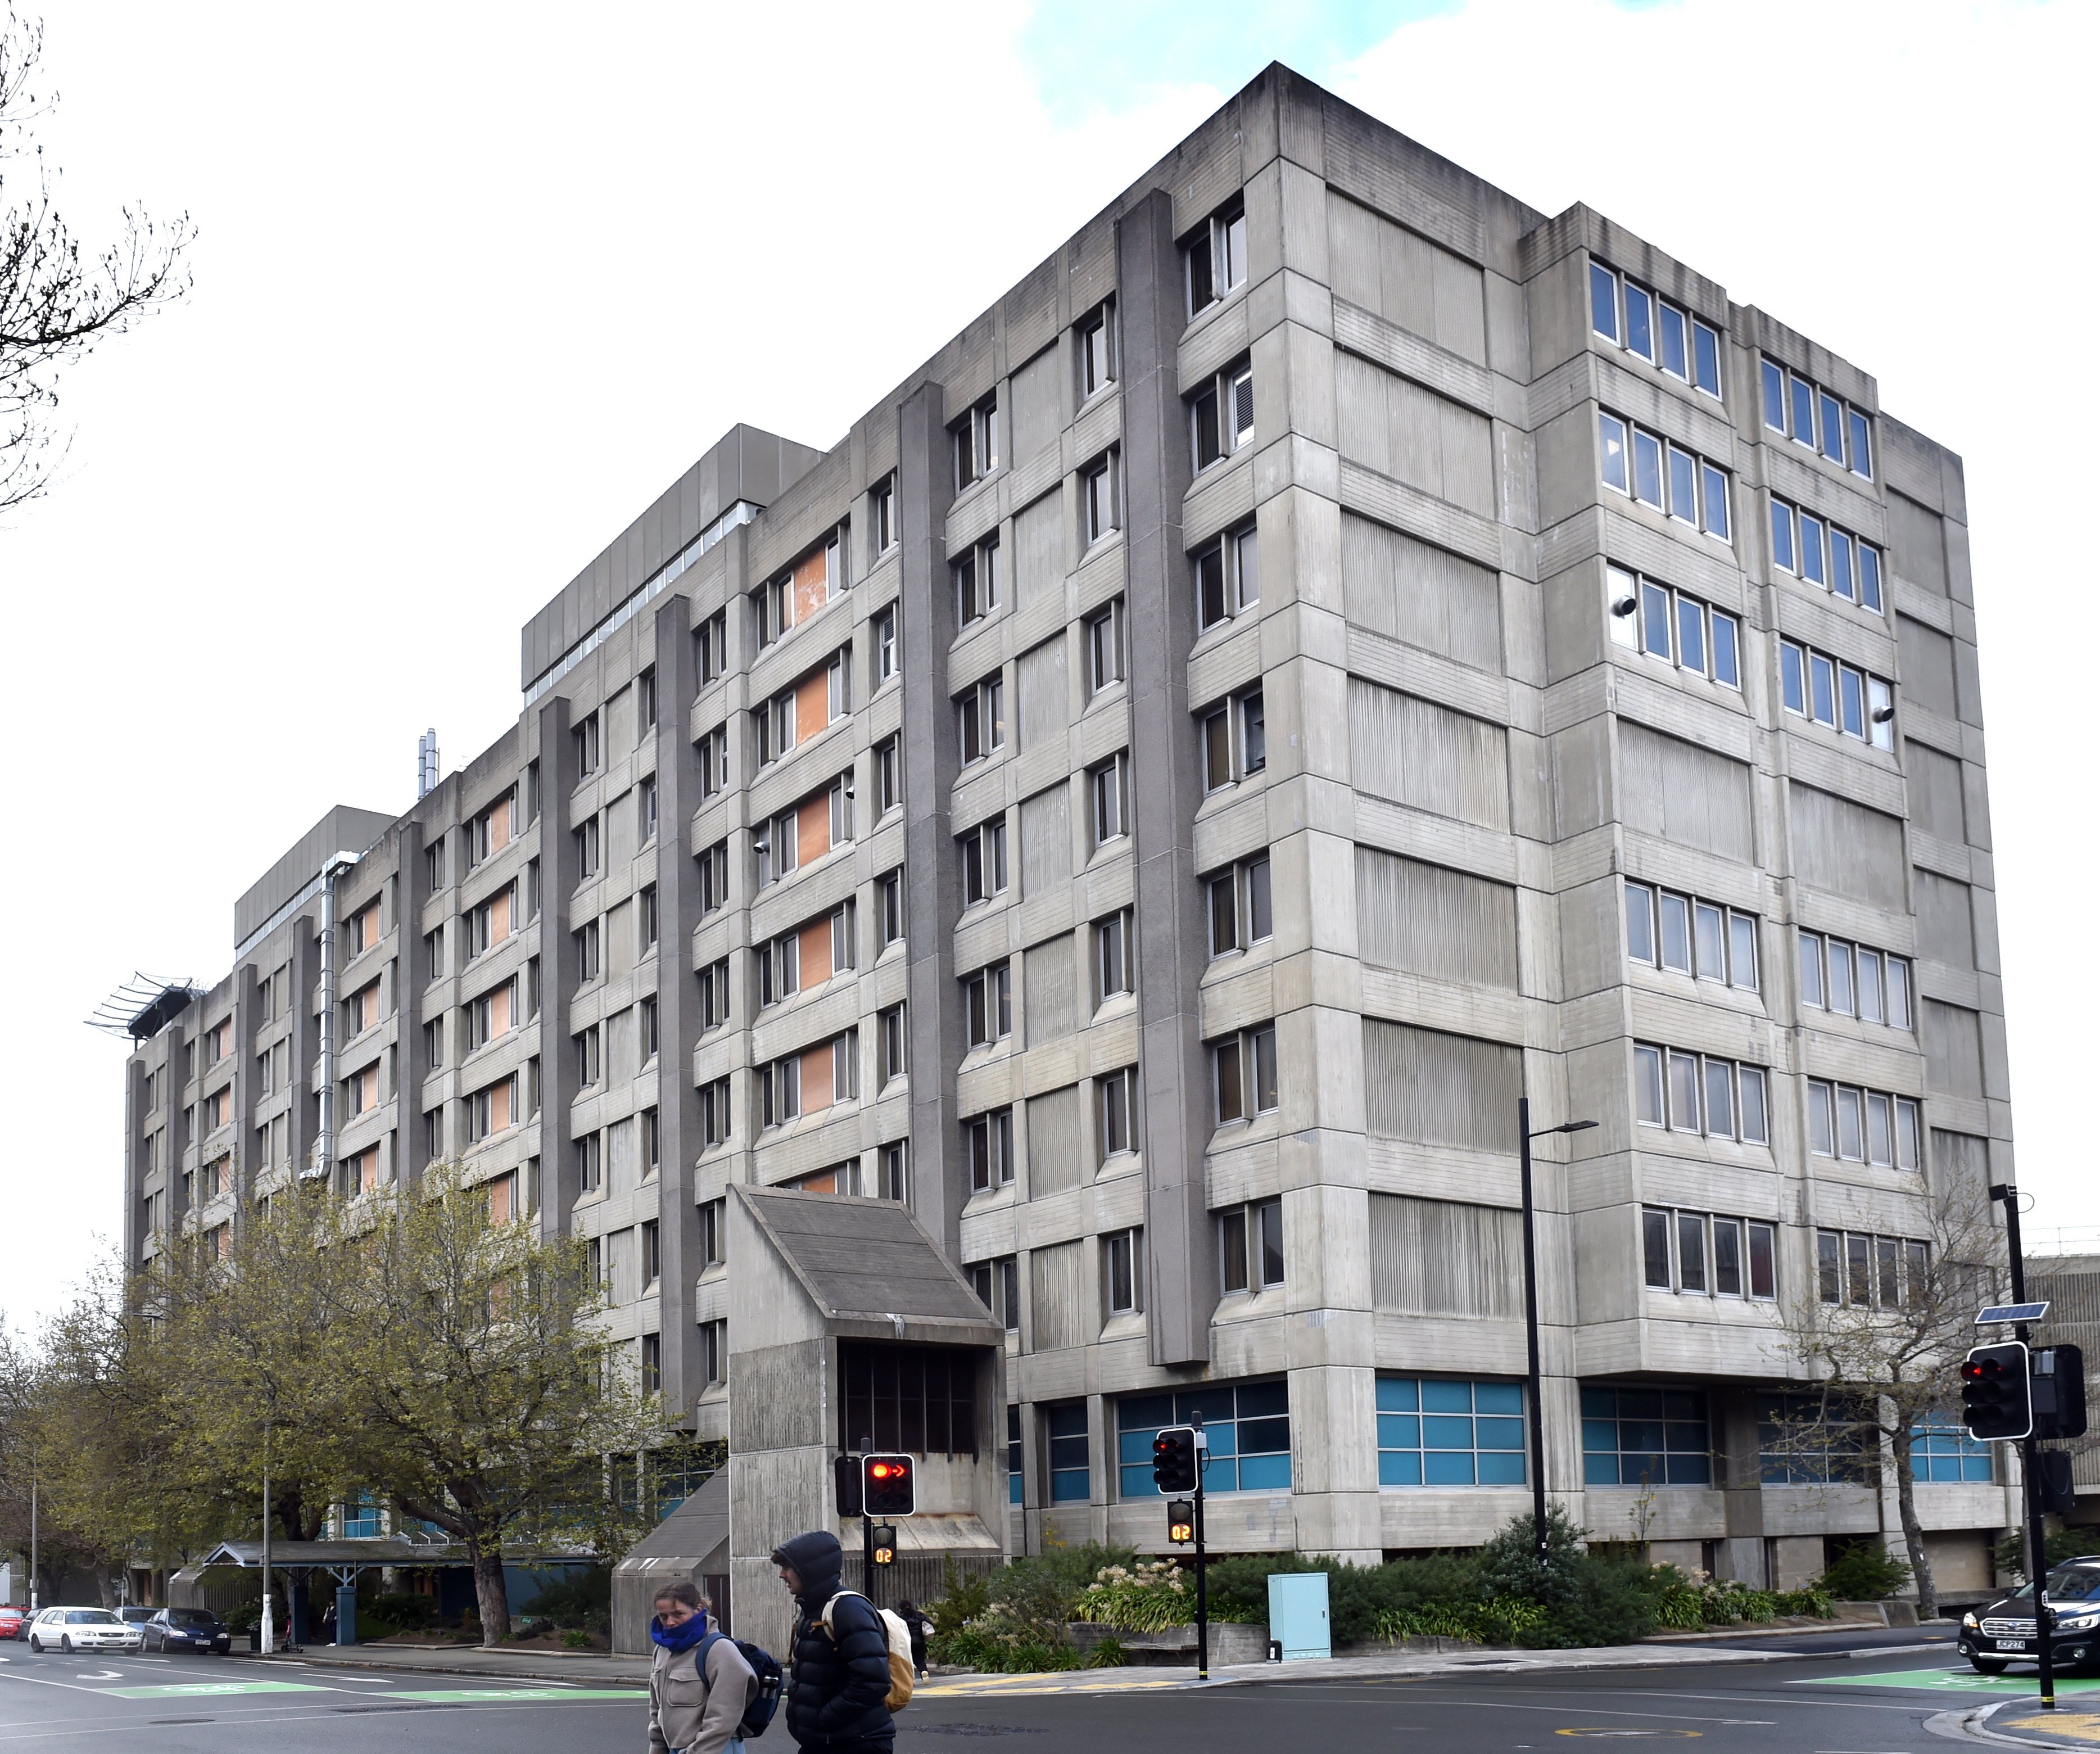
(698, 1681)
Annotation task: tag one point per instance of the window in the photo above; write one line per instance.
(715, 1128)
(1448, 1431)
(882, 516)
(981, 718)
(1645, 1437)
(714, 995)
(1123, 1271)
(1698, 492)
(1221, 416)
(889, 777)
(1109, 788)
(1241, 913)
(1650, 617)
(1104, 664)
(975, 439)
(1215, 258)
(652, 1253)
(1112, 957)
(1244, 1074)
(1065, 1432)
(645, 811)
(1818, 552)
(1228, 576)
(588, 961)
(1016, 1480)
(1626, 313)
(1852, 702)
(646, 919)
(918, 1398)
(589, 1063)
(1097, 350)
(998, 1286)
(988, 1142)
(1251, 1245)
(988, 997)
(434, 1044)
(976, 582)
(492, 1109)
(1816, 1439)
(780, 1092)
(434, 863)
(1247, 1426)
(360, 932)
(1235, 741)
(489, 924)
(645, 1029)
(791, 598)
(1864, 1126)
(984, 861)
(891, 1049)
(1872, 985)
(1117, 1095)
(652, 1363)
(491, 1015)
(1100, 498)
(891, 1181)
(713, 1232)
(713, 1352)
(714, 877)
(650, 1126)
(1696, 1252)
(585, 838)
(1942, 1450)
(1866, 1271)
(889, 909)
(645, 699)
(1692, 1093)
(584, 740)
(491, 831)
(711, 647)
(1686, 935)
(884, 637)
(1815, 419)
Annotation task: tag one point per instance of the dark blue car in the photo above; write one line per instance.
(187, 1629)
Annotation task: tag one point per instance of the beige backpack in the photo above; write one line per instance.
(899, 1635)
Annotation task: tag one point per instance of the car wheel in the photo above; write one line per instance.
(65, 1644)
(1985, 1666)
(33, 1645)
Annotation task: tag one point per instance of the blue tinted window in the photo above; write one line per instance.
(1804, 412)
(1822, 690)
(1655, 619)
(1645, 1437)
(1690, 635)
(1705, 358)
(1648, 469)
(1870, 577)
(1071, 1481)
(1464, 1434)
(1604, 302)
(1612, 445)
(1640, 322)
(1683, 485)
(1782, 534)
(1774, 381)
(1727, 669)
(1944, 1453)
(1862, 445)
(1246, 1428)
(1673, 342)
(1851, 694)
(1841, 562)
(1811, 548)
(1804, 1442)
(1833, 427)
(1716, 496)
(1791, 681)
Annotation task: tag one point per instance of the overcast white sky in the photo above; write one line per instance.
(474, 283)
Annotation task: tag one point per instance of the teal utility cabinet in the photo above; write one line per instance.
(1297, 1614)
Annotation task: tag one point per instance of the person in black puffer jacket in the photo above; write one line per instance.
(836, 1680)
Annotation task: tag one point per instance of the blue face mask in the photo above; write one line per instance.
(682, 1638)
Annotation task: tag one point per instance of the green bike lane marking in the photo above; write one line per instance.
(1946, 1680)
(190, 1689)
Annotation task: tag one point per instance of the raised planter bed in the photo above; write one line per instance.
(1230, 1643)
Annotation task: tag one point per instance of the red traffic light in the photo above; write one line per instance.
(887, 1488)
(1997, 1399)
(1174, 1459)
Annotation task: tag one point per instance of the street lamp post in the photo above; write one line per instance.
(1525, 1136)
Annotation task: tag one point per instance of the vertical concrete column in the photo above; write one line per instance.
(677, 994)
(557, 880)
(932, 872)
(243, 1089)
(1743, 1553)
(1181, 1279)
(306, 1040)
(411, 980)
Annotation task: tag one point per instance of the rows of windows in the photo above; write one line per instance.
(1246, 1434)
(1859, 1270)
(1698, 1253)
(1820, 553)
(1811, 416)
(1688, 936)
(1676, 627)
(1652, 328)
(1448, 1431)
(1863, 1126)
(1695, 1093)
(1849, 700)
(1645, 1437)
(1871, 985)
(1651, 469)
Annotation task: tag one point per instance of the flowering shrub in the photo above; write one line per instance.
(1149, 1596)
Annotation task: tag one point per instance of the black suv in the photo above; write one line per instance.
(2005, 1631)
(187, 1629)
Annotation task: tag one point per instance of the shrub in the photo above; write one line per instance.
(2010, 1555)
(1865, 1571)
(576, 1639)
(1811, 1600)
(1107, 1653)
(582, 1599)
(402, 1610)
(964, 1596)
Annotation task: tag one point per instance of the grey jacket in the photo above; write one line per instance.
(695, 1712)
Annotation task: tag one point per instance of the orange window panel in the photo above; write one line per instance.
(499, 1106)
(498, 1012)
(813, 838)
(812, 587)
(501, 1198)
(367, 1169)
(826, 1183)
(816, 1079)
(813, 705)
(499, 825)
(815, 954)
(224, 1234)
(499, 918)
(365, 931)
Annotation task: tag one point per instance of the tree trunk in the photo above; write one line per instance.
(491, 1594)
(1920, 1565)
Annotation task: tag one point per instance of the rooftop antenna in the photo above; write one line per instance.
(426, 763)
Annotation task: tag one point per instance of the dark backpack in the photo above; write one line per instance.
(764, 1697)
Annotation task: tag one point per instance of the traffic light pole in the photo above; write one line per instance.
(1202, 1584)
(2029, 1469)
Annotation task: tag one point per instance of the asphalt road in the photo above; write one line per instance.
(1817, 1704)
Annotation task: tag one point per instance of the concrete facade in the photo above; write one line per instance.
(1504, 640)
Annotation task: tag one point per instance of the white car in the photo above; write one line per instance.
(81, 1629)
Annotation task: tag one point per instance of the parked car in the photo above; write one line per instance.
(81, 1629)
(2004, 1632)
(135, 1616)
(12, 1621)
(187, 1629)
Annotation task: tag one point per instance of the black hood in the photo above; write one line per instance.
(816, 1559)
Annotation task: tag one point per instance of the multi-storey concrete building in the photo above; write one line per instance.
(1332, 650)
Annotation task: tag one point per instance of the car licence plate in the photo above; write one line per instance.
(2012, 1644)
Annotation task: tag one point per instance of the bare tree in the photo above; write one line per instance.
(55, 305)
(1880, 1342)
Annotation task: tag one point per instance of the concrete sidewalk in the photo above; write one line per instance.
(525, 1663)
